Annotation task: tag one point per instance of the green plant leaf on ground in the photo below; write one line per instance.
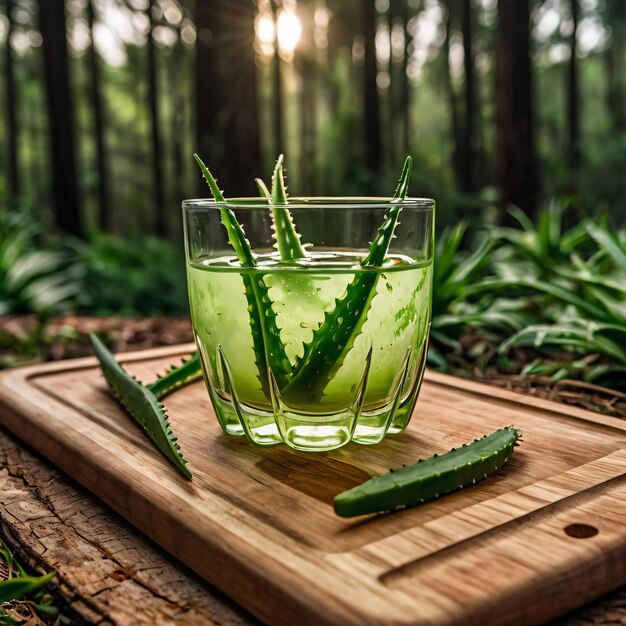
(610, 243)
(142, 405)
(33, 280)
(16, 588)
(13, 566)
(15, 584)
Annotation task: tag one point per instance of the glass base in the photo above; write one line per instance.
(313, 431)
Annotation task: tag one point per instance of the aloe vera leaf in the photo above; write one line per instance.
(264, 192)
(287, 238)
(268, 348)
(176, 377)
(236, 234)
(380, 246)
(335, 336)
(431, 478)
(142, 405)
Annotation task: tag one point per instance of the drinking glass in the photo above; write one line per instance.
(319, 336)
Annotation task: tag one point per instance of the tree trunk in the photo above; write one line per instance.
(573, 98)
(158, 197)
(13, 174)
(60, 116)
(516, 175)
(95, 97)
(228, 134)
(452, 103)
(35, 176)
(406, 87)
(389, 136)
(469, 143)
(177, 118)
(614, 65)
(278, 115)
(306, 64)
(370, 91)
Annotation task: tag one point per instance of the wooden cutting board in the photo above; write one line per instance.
(545, 534)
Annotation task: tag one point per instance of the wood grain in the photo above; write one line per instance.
(107, 573)
(258, 523)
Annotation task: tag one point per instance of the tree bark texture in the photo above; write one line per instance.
(455, 126)
(107, 572)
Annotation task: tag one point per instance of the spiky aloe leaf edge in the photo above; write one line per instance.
(142, 405)
(428, 479)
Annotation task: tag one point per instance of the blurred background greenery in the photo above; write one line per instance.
(513, 110)
(103, 102)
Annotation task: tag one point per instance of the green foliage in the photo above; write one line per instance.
(33, 280)
(12, 564)
(462, 298)
(541, 286)
(15, 588)
(431, 478)
(133, 275)
(584, 301)
(17, 583)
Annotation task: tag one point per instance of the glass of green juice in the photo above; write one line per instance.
(319, 336)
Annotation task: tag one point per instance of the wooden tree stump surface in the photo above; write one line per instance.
(109, 573)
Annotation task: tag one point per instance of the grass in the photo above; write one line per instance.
(22, 597)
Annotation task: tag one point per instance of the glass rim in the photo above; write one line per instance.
(311, 202)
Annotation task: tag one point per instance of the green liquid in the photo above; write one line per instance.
(394, 331)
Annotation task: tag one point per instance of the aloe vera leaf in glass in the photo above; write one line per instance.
(285, 234)
(262, 318)
(335, 337)
(287, 243)
(376, 378)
